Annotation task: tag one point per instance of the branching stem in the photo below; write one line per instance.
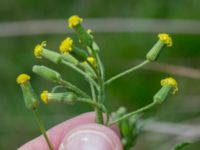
(81, 72)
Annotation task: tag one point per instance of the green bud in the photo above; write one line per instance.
(66, 97)
(83, 36)
(30, 98)
(69, 58)
(81, 54)
(95, 46)
(51, 55)
(162, 94)
(121, 111)
(47, 73)
(169, 86)
(155, 51)
(164, 40)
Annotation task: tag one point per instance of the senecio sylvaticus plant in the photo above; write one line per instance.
(86, 61)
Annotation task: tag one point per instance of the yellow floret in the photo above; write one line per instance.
(22, 78)
(74, 21)
(92, 60)
(38, 49)
(165, 38)
(66, 45)
(172, 82)
(44, 96)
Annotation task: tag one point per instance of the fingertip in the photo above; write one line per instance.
(91, 137)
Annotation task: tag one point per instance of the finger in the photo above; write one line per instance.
(57, 133)
(91, 137)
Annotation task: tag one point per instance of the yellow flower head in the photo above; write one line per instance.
(92, 60)
(44, 96)
(74, 21)
(38, 49)
(165, 38)
(66, 45)
(172, 82)
(22, 78)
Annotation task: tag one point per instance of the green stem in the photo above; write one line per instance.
(81, 72)
(73, 88)
(93, 92)
(90, 101)
(99, 117)
(42, 128)
(100, 78)
(100, 66)
(126, 72)
(56, 88)
(134, 112)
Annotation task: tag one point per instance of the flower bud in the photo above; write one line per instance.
(52, 56)
(169, 86)
(75, 23)
(80, 53)
(164, 40)
(67, 47)
(40, 52)
(30, 98)
(95, 46)
(46, 73)
(66, 97)
(69, 58)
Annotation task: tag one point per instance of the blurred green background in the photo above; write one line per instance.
(119, 51)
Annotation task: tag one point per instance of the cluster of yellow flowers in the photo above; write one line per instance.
(66, 45)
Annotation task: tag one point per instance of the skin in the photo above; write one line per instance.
(59, 133)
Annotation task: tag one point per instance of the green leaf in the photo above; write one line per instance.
(181, 146)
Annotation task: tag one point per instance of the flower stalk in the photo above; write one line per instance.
(42, 128)
(32, 103)
(126, 72)
(134, 113)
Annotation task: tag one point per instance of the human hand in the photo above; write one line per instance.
(79, 133)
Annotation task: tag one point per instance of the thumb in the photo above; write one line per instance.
(91, 137)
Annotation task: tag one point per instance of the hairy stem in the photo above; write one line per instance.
(81, 72)
(126, 72)
(90, 101)
(73, 88)
(42, 128)
(99, 117)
